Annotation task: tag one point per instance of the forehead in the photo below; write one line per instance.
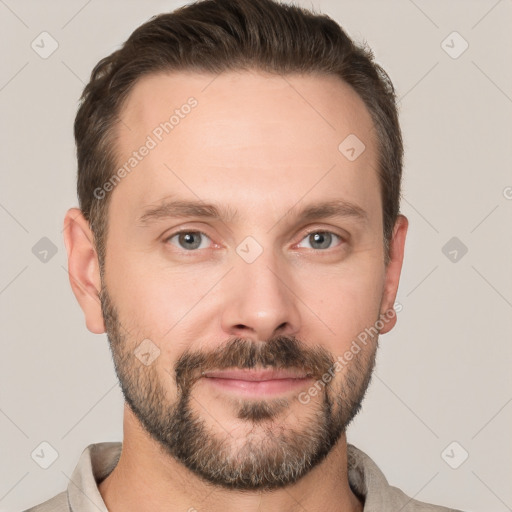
(246, 137)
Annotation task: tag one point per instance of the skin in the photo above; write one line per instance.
(265, 146)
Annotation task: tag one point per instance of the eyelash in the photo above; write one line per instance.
(306, 235)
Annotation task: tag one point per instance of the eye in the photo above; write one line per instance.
(321, 239)
(189, 240)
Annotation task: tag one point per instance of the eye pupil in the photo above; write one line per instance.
(322, 238)
(188, 238)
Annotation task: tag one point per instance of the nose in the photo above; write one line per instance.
(260, 301)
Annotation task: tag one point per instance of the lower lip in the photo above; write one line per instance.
(258, 388)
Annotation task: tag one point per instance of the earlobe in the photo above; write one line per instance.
(393, 270)
(83, 268)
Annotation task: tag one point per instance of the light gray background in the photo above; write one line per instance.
(443, 374)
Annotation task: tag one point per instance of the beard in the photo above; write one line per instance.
(272, 455)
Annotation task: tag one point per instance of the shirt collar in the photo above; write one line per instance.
(94, 465)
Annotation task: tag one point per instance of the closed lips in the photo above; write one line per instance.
(257, 375)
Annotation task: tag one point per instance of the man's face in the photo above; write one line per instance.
(259, 286)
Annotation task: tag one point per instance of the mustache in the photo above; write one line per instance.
(280, 352)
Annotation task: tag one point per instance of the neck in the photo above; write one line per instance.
(146, 478)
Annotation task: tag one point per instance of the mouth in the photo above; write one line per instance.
(257, 382)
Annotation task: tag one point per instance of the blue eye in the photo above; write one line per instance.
(189, 240)
(321, 239)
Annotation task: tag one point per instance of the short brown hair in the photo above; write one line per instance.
(223, 35)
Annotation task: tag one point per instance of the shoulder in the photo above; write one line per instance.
(58, 503)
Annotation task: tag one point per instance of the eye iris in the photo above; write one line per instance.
(188, 238)
(321, 238)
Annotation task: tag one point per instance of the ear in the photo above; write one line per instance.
(393, 269)
(83, 268)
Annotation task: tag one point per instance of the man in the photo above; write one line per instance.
(262, 137)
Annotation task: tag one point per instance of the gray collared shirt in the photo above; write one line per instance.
(98, 460)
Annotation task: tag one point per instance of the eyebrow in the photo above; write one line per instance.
(184, 209)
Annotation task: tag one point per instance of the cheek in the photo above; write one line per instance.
(156, 300)
(347, 301)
